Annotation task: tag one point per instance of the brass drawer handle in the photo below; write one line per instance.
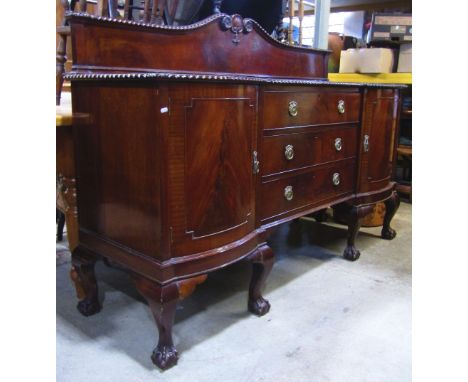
(336, 179)
(292, 108)
(288, 193)
(338, 144)
(289, 152)
(341, 106)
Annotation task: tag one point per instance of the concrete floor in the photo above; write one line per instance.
(331, 320)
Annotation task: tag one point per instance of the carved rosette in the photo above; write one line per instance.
(66, 194)
(237, 24)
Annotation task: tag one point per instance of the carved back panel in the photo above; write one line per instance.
(225, 45)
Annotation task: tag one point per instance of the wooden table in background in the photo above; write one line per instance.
(65, 168)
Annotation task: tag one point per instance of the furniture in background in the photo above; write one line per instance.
(199, 140)
(65, 170)
(63, 34)
(147, 11)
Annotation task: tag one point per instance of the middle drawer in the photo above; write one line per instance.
(282, 153)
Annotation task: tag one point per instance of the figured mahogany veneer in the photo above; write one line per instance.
(314, 107)
(310, 189)
(318, 146)
(199, 139)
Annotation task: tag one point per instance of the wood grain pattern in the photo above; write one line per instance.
(379, 124)
(119, 46)
(211, 140)
(166, 179)
(315, 107)
(309, 149)
(118, 169)
(218, 137)
(309, 188)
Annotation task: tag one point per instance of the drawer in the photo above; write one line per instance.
(289, 194)
(314, 107)
(288, 152)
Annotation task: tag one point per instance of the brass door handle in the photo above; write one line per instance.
(255, 163)
(366, 143)
(289, 152)
(292, 108)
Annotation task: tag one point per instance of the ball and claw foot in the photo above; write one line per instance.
(351, 253)
(388, 234)
(259, 307)
(165, 357)
(88, 307)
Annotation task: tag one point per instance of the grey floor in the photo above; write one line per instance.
(331, 320)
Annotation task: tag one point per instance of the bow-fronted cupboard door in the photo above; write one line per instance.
(211, 146)
(378, 138)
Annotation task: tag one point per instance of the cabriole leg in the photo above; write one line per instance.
(163, 300)
(355, 216)
(262, 262)
(82, 274)
(391, 207)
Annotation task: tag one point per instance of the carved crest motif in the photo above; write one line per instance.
(237, 24)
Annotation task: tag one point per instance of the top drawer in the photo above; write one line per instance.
(316, 106)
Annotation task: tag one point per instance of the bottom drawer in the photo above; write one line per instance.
(287, 195)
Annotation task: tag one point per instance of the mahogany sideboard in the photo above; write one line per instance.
(199, 140)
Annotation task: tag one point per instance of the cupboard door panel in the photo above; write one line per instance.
(218, 169)
(378, 138)
(212, 132)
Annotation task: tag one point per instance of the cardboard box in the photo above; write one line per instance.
(349, 61)
(405, 59)
(373, 60)
(376, 60)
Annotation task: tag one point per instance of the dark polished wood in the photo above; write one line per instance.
(379, 124)
(309, 187)
(163, 300)
(182, 165)
(355, 214)
(137, 47)
(315, 106)
(391, 207)
(308, 149)
(82, 274)
(262, 261)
